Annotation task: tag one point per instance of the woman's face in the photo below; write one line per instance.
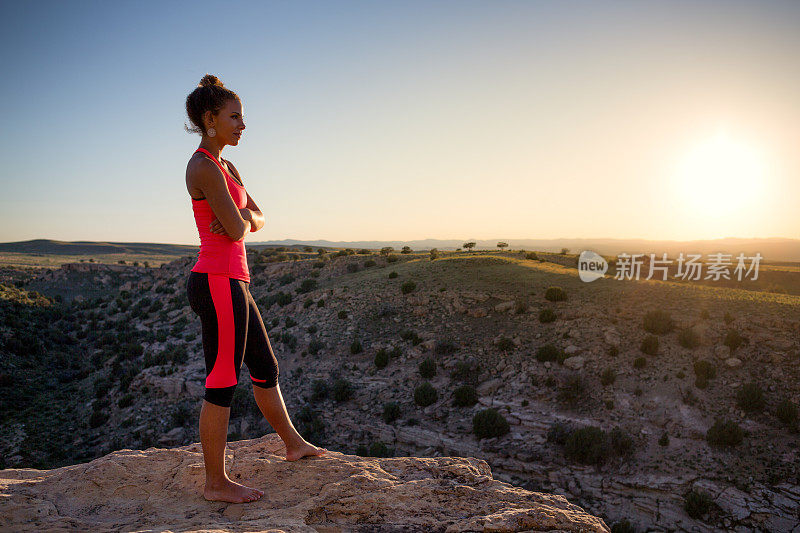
(229, 123)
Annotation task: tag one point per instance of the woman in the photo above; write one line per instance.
(218, 289)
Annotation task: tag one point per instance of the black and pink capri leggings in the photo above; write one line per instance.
(232, 332)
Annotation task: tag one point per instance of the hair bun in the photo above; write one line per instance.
(209, 80)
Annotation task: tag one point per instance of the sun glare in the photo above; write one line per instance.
(721, 175)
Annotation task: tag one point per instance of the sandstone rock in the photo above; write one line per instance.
(733, 362)
(504, 306)
(477, 312)
(611, 336)
(161, 489)
(489, 387)
(574, 363)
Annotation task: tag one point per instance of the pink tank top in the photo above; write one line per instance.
(219, 254)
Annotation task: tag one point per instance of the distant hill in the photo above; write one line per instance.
(773, 249)
(51, 247)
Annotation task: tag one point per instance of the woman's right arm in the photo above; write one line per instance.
(210, 180)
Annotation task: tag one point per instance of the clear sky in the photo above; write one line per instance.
(408, 120)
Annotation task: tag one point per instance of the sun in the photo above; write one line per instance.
(721, 175)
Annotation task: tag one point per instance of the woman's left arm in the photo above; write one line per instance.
(253, 214)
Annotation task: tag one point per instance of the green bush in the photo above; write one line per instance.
(427, 368)
(505, 344)
(342, 390)
(621, 442)
(639, 362)
(547, 315)
(658, 322)
(391, 412)
(465, 396)
(355, 347)
(548, 352)
(489, 423)
(319, 390)
(689, 338)
(663, 440)
(407, 287)
(381, 358)
(307, 285)
(786, 412)
(425, 395)
(750, 397)
(445, 347)
(520, 307)
(555, 294)
(649, 345)
(378, 449)
(574, 391)
(697, 503)
(315, 346)
(733, 340)
(342, 314)
(587, 445)
(392, 274)
(724, 433)
(608, 376)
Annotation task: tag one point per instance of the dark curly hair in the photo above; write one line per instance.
(209, 95)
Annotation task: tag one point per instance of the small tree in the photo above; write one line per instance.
(469, 245)
(502, 245)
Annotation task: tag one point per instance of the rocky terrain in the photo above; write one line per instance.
(161, 489)
(693, 431)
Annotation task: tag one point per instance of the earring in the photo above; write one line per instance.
(212, 132)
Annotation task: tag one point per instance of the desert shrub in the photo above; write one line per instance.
(623, 526)
(586, 445)
(355, 347)
(319, 390)
(558, 433)
(289, 340)
(704, 314)
(369, 263)
(658, 322)
(311, 329)
(621, 442)
(308, 303)
(307, 285)
(786, 412)
(465, 396)
(379, 449)
(547, 352)
(639, 362)
(689, 338)
(407, 287)
(663, 440)
(728, 318)
(427, 368)
(608, 376)
(733, 340)
(125, 401)
(425, 394)
(704, 369)
(465, 371)
(697, 503)
(489, 423)
(724, 433)
(315, 346)
(408, 334)
(382, 358)
(547, 315)
(392, 274)
(342, 314)
(555, 294)
(505, 344)
(97, 419)
(352, 267)
(532, 256)
(391, 412)
(649, 345)
(750, 397)
(342, 390)
(520, 307)
(613, 351)
(321, 302)
(574, 390)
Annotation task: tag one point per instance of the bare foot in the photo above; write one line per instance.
(230, 491)
(293, 453)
